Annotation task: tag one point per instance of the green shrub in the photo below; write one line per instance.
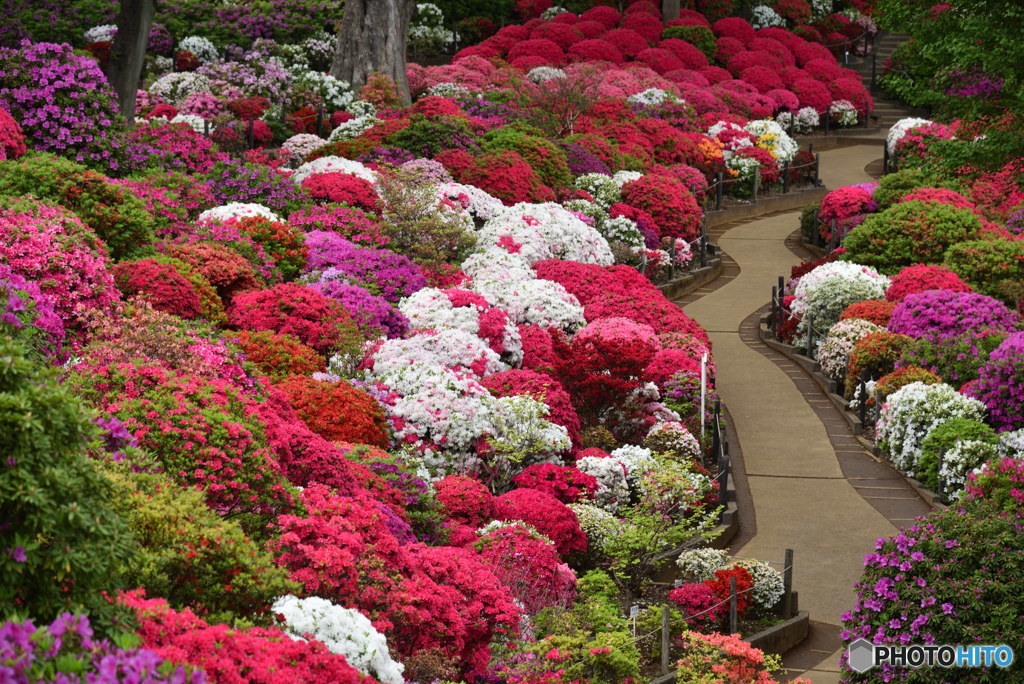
(546, 158)
(191, 556)
(892, 187)
(426, 136)
(118, 217)
(942, 439)
(988, 265)
(700, 37)
(807, 220)
(955, 359)
(62, 540)
(909, 233)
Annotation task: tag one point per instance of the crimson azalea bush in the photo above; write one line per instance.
(546, 514)
(315, 319)
(920, 278)
(77, 283)
(529, 566)
(204, 432)
(877, 311)
(336, 411)
(341, 188)
(224, 268)
(161, 284)
(566, 484)
(233, 656)
(12, 140)
(465, 500)
(699, 605)
(278, 355)
(720, 585)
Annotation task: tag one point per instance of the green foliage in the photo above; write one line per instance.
(499, 11)
(942, 439)
(909, 76)
(893, 187)
(191, 556)
(998, 141)
(118, 217)
(602, 658)
(807, 220)
(426, 136)
(57, 22)
(700, 37)
(418, 227)
(987, 265)
(976, 34)
(62, 540)
(909, 233)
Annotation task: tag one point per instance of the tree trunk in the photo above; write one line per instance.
(129, 52)
(372, 40)
(670, 9)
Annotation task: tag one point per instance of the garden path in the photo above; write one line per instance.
(813, 487)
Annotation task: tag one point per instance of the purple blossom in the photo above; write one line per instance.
(386, 274)
(944, 314)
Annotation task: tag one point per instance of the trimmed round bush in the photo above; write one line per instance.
(909, 233)
(988, 265)
(1000, 384)
(920, 278)
(944, 314)
(159, 283)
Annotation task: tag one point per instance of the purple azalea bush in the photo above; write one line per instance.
(1000, 384)
(29, 314)
(386, 274)
(66, 652)
(943, 314)
(372, 313)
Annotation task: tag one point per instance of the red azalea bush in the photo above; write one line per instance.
(465, 500)
(877, 311)
(812, 94)
(546, 514)
(225, 269)
(763, 78)
(232, 656)
(566, 484)
(336, 411)
(734, 27)
(546, 50)
(542, 349)
(630, 43)
(315, 319)
(12, 140)
(670, 203)
(699, 600)
(504, 174)
(542, 387)
(596, 50)
(349, 222)
(204, 432)
(850, 88)
(659, 60)
(666, 363)
(744, 583)
(794, 11)
(161, 284)
(341, 188)
(78, 282)
(690, 56)
(607, 16)
(941, 196)
(529, 566)
(278, 356)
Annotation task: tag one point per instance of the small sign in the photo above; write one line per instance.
(634, 611)
(678, 583)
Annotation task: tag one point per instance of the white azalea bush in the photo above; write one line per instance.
(545, 231)
(605, 190)
(834, 352)
(651, 97)
(102, 33)
(299, 146)
(966, 456)
(769, 585)
(235, 210)
(478, 204)
(805, 121)
(700, 565)
(772, 136)
(843, 113)
(672, 437)
(334, 165)
(623, 177)
(910, 413)
(612, 486)
(542, 74)
(900, 129)
(326, 90)
(600, 526)
(454, 349)
(823, 294)
(203, 48)
(636, 460)
(344, 631)
(764, 16)
(174, 87)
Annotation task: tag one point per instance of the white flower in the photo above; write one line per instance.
(544, 303)
(844, 112)
(910, 413)
(176, 86)
(237, 210)
(825, 292)
(333, 165)
(673, 436)
(834, 353)
(769, 585)
(298, 146)
(343, 631)
(546, 231)
(637, 461)
(612, 487)
(544, 73)
(651, 97)
(478, 203)
(772, 137)
(965, 457)
(605, 190)
(700, 565)
(335, 93)
(101, 34)
(455, 349)
(202, 48)
(764, 16)
(552, 12)
(599, 525)
(900, 129)
(198, 123)
(1012, 444)
(623, 177)
(807, 120)
(450, 90)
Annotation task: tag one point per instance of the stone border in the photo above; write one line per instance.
(693, 280)
(828, 386)
(776, 639)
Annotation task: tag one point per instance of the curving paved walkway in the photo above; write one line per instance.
(813, 487)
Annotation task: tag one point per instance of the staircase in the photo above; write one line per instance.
(887, 112)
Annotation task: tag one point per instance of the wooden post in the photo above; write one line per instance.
(757, 181)
(787, 583)
(810, 335)
(733, 617)
(320, 122)
(775, 311)
(885, 158)
(250, 134)
(862, 408)
(719, 189)
(665, 640)
(785, 178)
(817, 169)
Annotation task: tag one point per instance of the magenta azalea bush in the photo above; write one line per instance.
(944, 313)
